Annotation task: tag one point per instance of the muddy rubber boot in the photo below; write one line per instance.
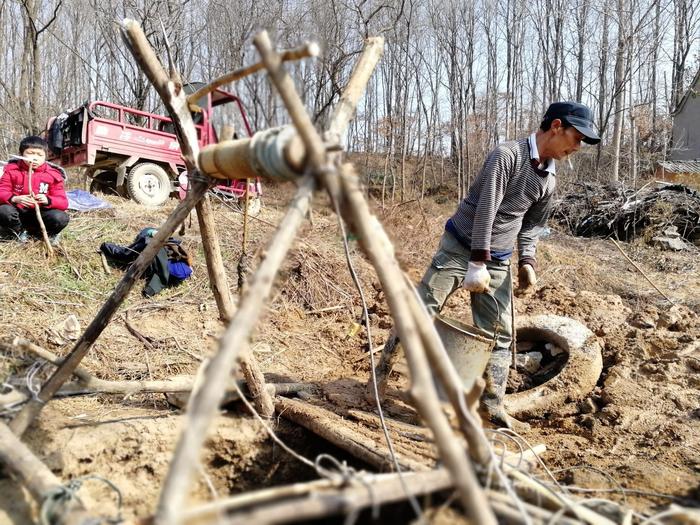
(386, 362)
(496, 377)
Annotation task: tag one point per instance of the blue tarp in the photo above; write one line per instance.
(81, 200)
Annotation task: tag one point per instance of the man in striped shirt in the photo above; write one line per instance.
(508, 205)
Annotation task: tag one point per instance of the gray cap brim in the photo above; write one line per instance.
(584, 127)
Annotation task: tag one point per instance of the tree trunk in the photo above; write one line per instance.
(582, 18)
(619, 93)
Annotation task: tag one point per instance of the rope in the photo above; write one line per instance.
(34, 388)
(519, 439)
(607, 476)
(198, 176)
(56, 500)
(365, 314)
(342, 473)
(11, 407)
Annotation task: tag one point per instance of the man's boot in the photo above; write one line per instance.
(496, 377)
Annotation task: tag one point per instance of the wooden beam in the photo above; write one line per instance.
(309, 49)
(88, 383)
(235, 340)
(219, 286)
(412, 324)
(333, 428)
(351, 498)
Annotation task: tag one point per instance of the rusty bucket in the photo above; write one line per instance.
(468, 347)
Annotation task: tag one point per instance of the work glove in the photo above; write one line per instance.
(478, 278)
(527, 278)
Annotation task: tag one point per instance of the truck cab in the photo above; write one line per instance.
(135, 153)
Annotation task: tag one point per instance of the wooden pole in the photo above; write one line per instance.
(38, 479)
(332, 428)
(470, 425)
(39, 219)
(204, 403)
(219, 285)
(232, 343)
(25, 466)
(378, 247)
(345, 109)
(173, 96)
(617, 245)
(423, 389)
(170, 90)
(213, 510)
(93, 384)
(309, 49)
(355, 496)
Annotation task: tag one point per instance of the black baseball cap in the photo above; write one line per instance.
(577, 115)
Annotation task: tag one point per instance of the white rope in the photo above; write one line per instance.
(365, 313)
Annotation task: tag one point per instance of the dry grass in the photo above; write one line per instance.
(179, 326)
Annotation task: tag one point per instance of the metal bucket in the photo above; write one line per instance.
(468, 347)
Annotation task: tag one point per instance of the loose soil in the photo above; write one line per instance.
(639, 429)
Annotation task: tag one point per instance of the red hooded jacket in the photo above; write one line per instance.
(45, 179)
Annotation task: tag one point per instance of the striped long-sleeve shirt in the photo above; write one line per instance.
(508, 200)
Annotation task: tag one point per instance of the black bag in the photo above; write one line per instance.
(157, 274)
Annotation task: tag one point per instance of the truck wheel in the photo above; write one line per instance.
(148, 184)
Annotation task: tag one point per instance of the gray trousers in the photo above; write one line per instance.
(445, 275)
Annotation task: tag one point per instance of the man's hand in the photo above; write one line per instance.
(41, 199)
(477, 279)
(527, 278)
(24, 200)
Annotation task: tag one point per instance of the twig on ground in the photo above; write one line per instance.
(641, 271)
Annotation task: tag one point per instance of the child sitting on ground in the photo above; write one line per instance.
(17, 199)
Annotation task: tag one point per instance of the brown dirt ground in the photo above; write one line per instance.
(639, 430)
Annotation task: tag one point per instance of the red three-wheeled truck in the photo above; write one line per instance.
(136, 154)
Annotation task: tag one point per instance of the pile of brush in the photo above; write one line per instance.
(654, 210)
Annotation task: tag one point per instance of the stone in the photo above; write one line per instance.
(670, 317)
(671, 231)
(675, 244)
(588, 406)
(644, 320)
(530, 362)
(65, 331)
(554, 350)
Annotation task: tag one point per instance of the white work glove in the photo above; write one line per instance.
(527, 278)
(478, 278)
